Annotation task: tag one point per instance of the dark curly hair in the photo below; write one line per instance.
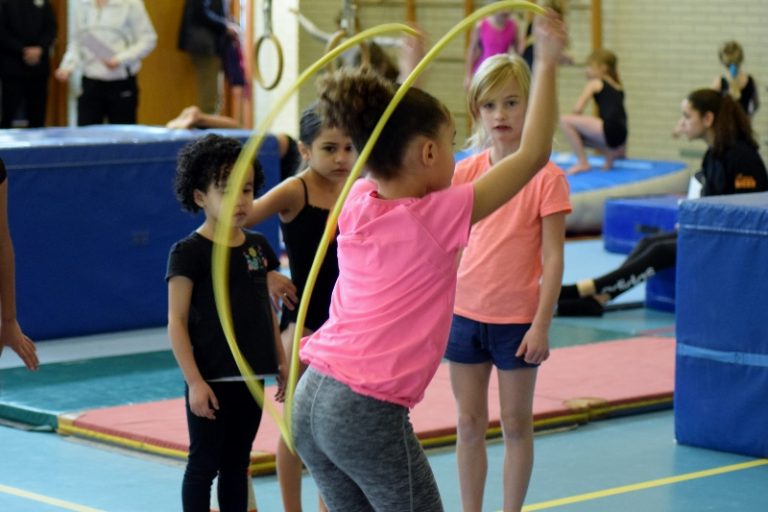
(355, 99)
(207, 160)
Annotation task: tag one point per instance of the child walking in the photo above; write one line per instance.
(222, 416)
(608, 132)
(500, 318)
(303, 204)
(400, 234)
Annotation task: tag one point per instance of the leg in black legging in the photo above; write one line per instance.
(650, 255)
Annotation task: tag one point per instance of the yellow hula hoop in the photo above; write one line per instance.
(330, 227)
(257, 75)
(220, 263)
(220, 258)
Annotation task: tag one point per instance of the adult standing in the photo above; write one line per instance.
(202, 34)
(27, 31)
(109, 40)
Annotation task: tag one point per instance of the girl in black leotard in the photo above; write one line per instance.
(608, 132)
(731, 165)
(303, 203)
(737, 83)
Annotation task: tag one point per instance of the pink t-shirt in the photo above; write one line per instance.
(494, 41)
(500, 270)
(393, 301)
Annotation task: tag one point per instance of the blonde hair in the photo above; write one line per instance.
(608, 59)
(493, 74)
(731, 53)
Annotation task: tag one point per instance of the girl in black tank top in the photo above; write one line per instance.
(607, 132)
(303, 204)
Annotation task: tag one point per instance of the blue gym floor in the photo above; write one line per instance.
(627, 464)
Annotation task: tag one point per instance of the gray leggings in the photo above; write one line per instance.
(362, 452)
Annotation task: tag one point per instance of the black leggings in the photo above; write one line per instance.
(221, 447)
(651, 255)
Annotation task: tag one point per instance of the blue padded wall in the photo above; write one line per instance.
(93, 216)
(628, 219)
(721, 377)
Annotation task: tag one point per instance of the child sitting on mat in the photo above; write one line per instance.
(222, 415)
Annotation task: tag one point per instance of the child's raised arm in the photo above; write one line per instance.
(509, 175)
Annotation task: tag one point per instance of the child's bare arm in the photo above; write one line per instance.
(202, 400)
(586, 94)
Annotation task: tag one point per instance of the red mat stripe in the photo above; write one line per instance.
(576, 384)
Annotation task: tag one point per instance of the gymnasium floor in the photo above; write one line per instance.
(627, 464)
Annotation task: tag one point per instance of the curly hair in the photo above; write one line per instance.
(204, 161)
(355, 99)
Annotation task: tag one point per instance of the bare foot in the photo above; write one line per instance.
(577, 168)
(187, 119)
(614, 154)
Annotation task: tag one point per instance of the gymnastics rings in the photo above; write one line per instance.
(220, 264)
(267, 36)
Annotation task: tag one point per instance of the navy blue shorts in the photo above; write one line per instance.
(472, 342)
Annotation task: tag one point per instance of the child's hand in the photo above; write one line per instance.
(282, 289)
(202, 401)
(550, 35)
(282, 383)
(535, 346)
(11, 336)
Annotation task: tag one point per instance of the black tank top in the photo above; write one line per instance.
(610, 102)
(747, 95)
(301, 237)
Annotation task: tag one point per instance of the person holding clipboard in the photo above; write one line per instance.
(109, 40)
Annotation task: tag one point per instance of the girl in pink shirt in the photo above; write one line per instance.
(508, 283)
(400, 234)
(493, 35)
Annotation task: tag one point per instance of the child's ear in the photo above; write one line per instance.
(199, 198)
(428, 152)
(304, 151)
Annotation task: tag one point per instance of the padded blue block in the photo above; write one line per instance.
(721, 378)
(660, 291)
(627, 220)
(93, 216)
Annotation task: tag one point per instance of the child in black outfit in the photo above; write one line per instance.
(222, 416)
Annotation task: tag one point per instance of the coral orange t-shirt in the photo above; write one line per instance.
(500, 270)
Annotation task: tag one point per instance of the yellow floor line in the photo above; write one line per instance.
(644, 485)
(13, 491)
